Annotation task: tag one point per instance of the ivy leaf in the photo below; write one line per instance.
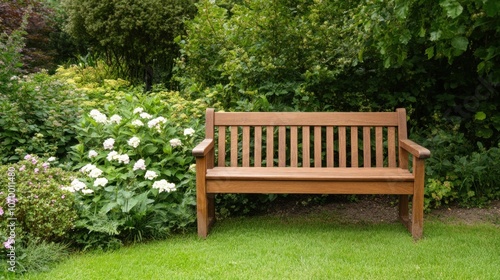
(480, 116)
(460, 43)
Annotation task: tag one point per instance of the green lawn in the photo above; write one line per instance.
(309, 246)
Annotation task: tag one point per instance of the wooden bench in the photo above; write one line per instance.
(310, 153)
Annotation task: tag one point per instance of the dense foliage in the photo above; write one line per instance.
(435, 58)
(135, 177)
(268, 55)
(41, 50)
(34, 213)
(42, 209)
(37, 116)
(137, 37)
(448, 51)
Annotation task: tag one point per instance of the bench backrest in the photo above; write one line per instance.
(316, 139)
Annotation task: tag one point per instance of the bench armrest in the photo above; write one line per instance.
(414, 148)
(203, 148)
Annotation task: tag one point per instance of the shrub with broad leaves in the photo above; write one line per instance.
(135, 178)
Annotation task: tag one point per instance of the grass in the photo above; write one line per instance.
(309, 246)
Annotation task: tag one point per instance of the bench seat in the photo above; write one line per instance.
(310, 174)
(309, 180)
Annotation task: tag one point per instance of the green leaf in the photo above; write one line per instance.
(401, 11)
(435, 35)
(460, 43)
(108, 207)
(430, 52)
(492, 7)
(149, 149)
(484, 132)
(453, 8)
(480, 116)
(129, 204)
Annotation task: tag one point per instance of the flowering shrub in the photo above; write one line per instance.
(37, 117)
(135, 181)
(43, 209)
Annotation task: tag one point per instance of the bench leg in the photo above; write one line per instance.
(202, 201)
(202, 215)
(404, 210)
(417, 213)
(211, 209)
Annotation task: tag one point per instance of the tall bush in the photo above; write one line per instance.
(455, 44)
(136, 37)
(261, 55)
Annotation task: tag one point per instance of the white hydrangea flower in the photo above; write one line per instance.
(192, 167)
(145, 116)
(156, 123)
(113, 155)
(98, 116)
(116, 119)
(137, 123)
(51, 159)
(95, 173)
(138, 110)
(189, 131)
(123, 159)
(87, 191)
(92, 154)
(150, 175)
(134, 142)
(175, 142)
(100, 182)
(108, 144)
(164, 186)
(77, 185)
(87, 168)
(69, 189)
(140, 164)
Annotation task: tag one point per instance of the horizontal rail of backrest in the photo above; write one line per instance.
(306, 119)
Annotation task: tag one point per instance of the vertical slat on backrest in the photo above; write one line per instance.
(210, 134)
(282, 146)
(342, 147)
(258, 146)
(317, 146)
(293, 146)
(402, 134)
(234, 146)
(379, 146)
(391, 145)
(222, 146)
(329, 147)
(246, 147)
(354, 146)
(269, 146)
(367, 158)
(306, 160)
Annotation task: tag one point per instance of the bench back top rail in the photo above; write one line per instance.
(307, 139)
